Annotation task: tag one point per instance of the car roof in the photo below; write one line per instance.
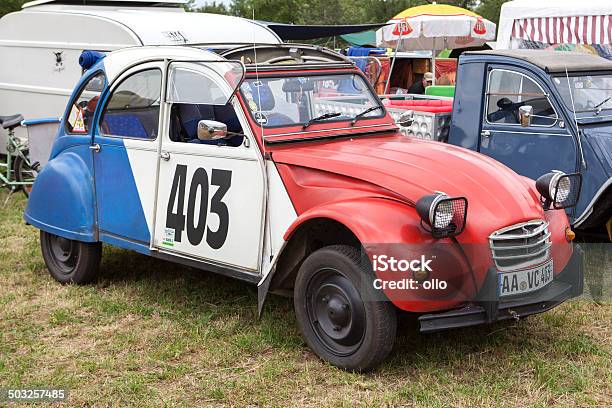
(118, 61)
(554, 61)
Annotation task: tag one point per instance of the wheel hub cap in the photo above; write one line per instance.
(337, 312)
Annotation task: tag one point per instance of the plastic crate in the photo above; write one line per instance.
(41, 135)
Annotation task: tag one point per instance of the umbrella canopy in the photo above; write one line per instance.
(435, 27)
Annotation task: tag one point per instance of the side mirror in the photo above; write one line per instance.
(211, 130)
(405, 119)
(525, 113)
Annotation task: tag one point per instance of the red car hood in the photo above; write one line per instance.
(497, 196)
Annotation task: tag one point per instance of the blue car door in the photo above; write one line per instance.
(125, 157)
(547, 144)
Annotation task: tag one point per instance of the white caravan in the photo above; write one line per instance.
(41, 44)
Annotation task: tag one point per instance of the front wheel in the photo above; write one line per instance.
(24, 173)
(337, 313)
(70, 261)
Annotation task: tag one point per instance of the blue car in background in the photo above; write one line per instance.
(537, 111)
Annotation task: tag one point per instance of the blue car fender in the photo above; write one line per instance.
(62, 200)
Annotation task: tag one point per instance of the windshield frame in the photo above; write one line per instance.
(587, 113)
(314, 73)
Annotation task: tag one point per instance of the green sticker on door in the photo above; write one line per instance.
(168, 239)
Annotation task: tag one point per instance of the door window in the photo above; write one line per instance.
(82, 111)
(133, 108)
(186, 117)
(508, 91)
(201, 91)
(209, 82)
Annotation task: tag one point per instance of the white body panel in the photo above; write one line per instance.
(243, 201)
(34, 84)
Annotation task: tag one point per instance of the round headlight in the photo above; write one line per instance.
(446, 216)
(559, 189)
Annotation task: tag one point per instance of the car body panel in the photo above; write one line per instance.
(63, 201)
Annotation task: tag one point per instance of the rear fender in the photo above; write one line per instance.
(62, 201)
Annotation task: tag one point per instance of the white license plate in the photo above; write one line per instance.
(527, 280)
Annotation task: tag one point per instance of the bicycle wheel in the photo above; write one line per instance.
(24, 173)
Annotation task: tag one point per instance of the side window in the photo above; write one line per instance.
(196, 97)
(84, 106)
(508, 91)
(133, 107)
(185, 117)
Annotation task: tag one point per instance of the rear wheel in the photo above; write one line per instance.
(337, 313)
(24, 173)
(70, 261)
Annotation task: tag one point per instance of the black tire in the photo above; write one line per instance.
(335, 320)
(70, 261)
(23, 172)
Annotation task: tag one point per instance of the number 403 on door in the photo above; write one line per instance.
(199, 182)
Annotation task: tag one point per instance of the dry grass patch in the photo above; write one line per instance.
(151, 333)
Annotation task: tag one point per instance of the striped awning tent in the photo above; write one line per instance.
(565, 30)
(555, 22)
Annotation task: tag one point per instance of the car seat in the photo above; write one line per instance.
(126, 125)
(264, 98)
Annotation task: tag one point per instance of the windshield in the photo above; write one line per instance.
(305, 100)
(591, 93)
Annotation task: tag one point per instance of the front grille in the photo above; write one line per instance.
(521, 245)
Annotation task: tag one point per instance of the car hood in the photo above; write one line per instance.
(412, 168)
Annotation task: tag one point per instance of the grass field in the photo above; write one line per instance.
(151, 333)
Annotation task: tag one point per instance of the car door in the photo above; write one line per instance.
(125, 157)
(547, 144)
(210, 198)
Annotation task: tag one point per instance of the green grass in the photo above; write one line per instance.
(151, 333)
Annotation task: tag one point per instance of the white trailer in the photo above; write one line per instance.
(40, 45)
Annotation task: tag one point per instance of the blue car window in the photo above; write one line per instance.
(508, 91)
(133, 108)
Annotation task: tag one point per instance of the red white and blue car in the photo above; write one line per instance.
(279, 165)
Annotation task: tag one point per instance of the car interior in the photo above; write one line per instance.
(184, 119)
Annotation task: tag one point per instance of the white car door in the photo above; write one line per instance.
(210, 197)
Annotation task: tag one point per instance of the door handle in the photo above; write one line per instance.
(95, 147)
(164, 156)
(486, 133)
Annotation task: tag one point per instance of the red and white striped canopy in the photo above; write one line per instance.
(565, 30)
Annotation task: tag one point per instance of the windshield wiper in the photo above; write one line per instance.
(600, 104)
(322, 117)
(365, 112)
